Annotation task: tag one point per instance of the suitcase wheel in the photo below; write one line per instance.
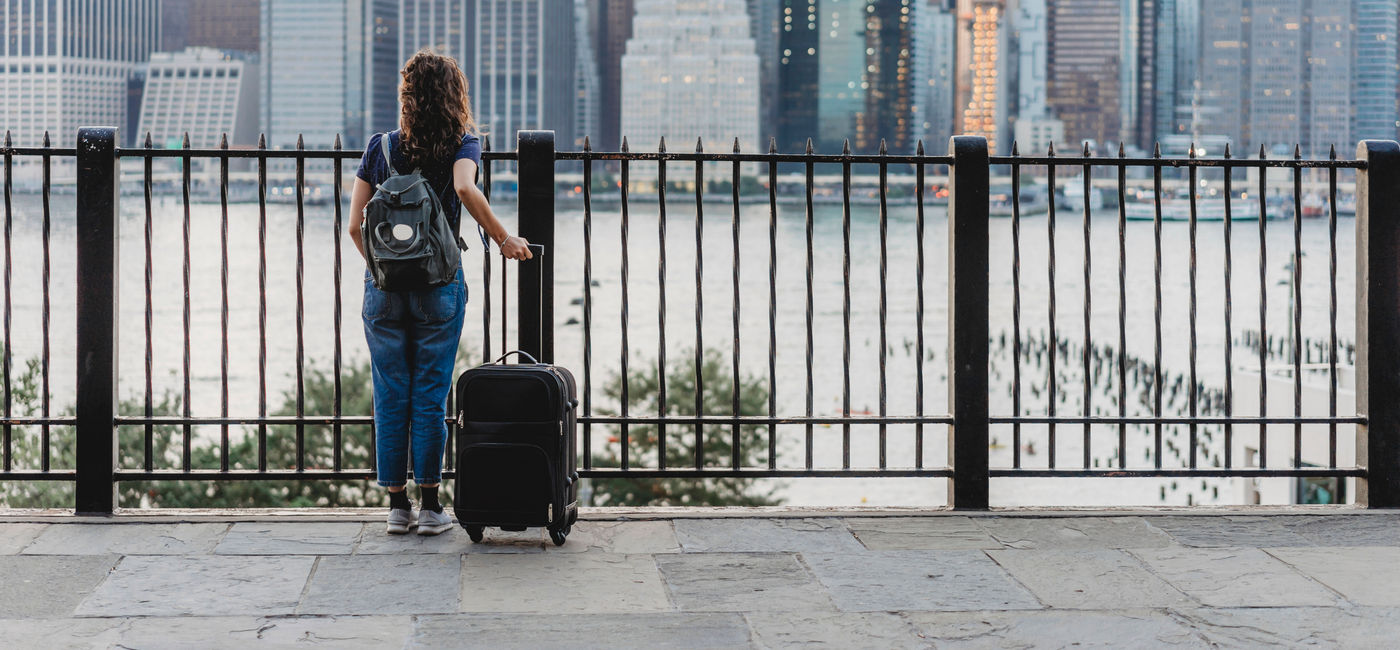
(474, 532)
(558, 536)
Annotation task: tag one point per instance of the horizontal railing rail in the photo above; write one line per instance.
(646, 414)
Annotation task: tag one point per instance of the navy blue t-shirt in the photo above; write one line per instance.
(439, 173)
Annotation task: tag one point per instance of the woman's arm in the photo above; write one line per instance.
(464, 182)
(359, 196)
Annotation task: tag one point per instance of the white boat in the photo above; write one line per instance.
(1075, 199)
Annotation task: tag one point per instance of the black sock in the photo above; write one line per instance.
(399, 500)
(428, 496)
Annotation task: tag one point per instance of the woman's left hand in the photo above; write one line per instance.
(516, 248)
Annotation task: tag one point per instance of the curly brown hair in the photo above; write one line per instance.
(436, 109)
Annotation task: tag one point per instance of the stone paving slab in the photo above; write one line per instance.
(1054, 629)
(191, 586)
(833, 630)
(1075, 533)
(558, 583)
(127, 539)
(888, 581)
(689, 631)
(1294, 627)
(1228, 531)
(1108, 579)
(14, 537)
(920, 533)
(62, 633)
(765, 536)
(1366, 575)
(375, 541)
(742, 582)
(236, 633)
(1235, 577)
(627, 537)
(383, 584)
(48, 587)
(311, 538)
(1370, 530)
(290, 538)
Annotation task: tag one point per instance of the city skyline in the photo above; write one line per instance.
(1275, 73)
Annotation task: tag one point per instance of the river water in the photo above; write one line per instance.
(717, 296)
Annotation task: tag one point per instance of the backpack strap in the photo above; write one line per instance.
(388, 160)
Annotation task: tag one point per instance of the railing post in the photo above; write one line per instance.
(96, 408)
(1378, 323)
(967, 322)
(535, 207)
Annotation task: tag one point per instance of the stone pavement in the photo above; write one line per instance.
(707, 579)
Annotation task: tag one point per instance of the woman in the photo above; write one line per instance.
(413, 335)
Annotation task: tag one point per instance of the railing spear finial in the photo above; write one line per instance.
(809, 146)
(846, 147)
(336, 145)
(148, 140)
(699, 145)
(1086, 148)
(223, 140)
(624, 144)
(46, 140)
(7, 138)
(736, 144)
(1121, 152)
(1051, 150)
(586, 146)
(1227, 150)
(186, 143)
(661, 147)
(1332, 153)
(1015, 148)
(1297, 151)
(883, 149)
(1157, 149)
(1262, 154)
(1192, 152)
(919, 147)
(301, 143)
(772, 144)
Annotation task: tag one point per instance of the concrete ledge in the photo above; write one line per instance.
(180, 515)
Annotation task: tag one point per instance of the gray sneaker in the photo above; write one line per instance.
(433, 523)
(400, 521)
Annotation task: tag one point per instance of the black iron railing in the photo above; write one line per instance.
(970, 418)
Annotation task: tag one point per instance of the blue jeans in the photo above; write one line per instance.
(412, 338)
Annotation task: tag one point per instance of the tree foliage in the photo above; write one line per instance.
(643, 395)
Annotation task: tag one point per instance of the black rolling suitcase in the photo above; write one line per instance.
(516, 448)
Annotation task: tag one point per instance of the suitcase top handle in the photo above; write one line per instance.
(522, 353)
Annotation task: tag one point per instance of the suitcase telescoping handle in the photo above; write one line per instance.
(538, 250)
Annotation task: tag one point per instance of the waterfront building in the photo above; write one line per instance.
(520, 60)
(934, 74)
(71, 63)
(1175, 66)
(1377, 70)
(986, 83)
(891, 100)
(799, 75)
(612, 29)
(1034, 129)
(690, 72)
(763, 26)
(313, 72)
(586, 85)
(203, 92)
(219, 24)
(843, 83)
(1086, 71)
(1279, 73)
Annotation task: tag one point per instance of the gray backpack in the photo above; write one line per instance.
(409, 241)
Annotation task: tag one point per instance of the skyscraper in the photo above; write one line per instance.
(934, 74)
(891, 102)
(799, 75)
(1377, 73)
(985, 88)
(69, 63)
(1086, 84)
(763, 26)
(1278, 73)
(220, 24)
(519, 58)
(586, 100)
(313, 75)
(690, 72)
(613, 28)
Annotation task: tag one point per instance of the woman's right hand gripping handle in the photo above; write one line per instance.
(516, 248)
